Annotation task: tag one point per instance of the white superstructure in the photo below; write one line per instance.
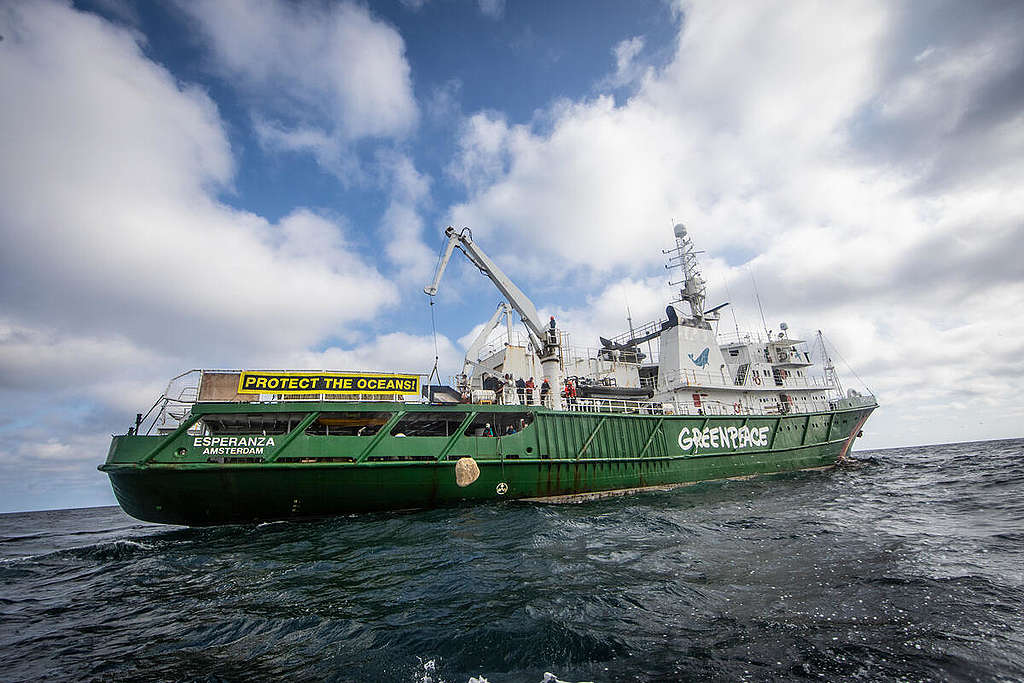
(676, 365)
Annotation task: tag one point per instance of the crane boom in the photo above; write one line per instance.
(519, 301)
(431, 289)
(474, 349)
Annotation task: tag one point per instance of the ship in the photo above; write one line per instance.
(664, 404)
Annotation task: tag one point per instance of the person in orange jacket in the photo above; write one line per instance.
(570, 392)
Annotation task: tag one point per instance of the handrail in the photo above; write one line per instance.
(708, 407)
(703, 378)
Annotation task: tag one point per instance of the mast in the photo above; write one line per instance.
(692, 289)
(684, 257)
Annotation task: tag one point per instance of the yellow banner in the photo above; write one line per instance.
(327, 383)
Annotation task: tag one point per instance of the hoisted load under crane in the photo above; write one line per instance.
(544, 338)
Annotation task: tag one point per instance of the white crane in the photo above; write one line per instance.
(544, 338)
(473, 351)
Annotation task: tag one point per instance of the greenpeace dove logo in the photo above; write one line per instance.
(701, 360)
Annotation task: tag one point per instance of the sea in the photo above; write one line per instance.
(908, 566)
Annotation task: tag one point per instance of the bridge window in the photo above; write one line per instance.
(428, 424)
(351, 423)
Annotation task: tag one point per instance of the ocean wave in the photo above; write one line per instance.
(108, 551)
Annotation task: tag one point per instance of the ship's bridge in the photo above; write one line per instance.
(782, 353)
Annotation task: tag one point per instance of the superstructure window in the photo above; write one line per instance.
(428, 424)
(348, 424)
(252, 423)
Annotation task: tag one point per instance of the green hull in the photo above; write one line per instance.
(174, 479)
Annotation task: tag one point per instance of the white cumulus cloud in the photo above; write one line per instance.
(318, 77)
(337, 59)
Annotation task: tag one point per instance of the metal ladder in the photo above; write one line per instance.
(741, 374)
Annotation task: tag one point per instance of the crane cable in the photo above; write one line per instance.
(433, 327)
(848, 366)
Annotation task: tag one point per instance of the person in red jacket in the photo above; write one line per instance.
(530, 386)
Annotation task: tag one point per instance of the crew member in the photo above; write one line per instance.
(492, 383)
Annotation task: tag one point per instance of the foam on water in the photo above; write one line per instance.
(910, 567)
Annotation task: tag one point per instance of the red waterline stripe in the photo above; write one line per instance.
(853, 435)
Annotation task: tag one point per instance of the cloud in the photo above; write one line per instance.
(484, 147)
(951, 92)
(28, 356)
(596, 180)
(319, 77)
(41, 469)
(684, 146)
(604, 314)
(493, 9)
(109, 217)
(767, 162)
(401, 226)
(330, 152)
(391, 352)
(627, 69)
(443, 105)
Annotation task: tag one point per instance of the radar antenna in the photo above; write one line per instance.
(692, 289)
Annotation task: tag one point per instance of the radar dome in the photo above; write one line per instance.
(680, 230)
(783, 326)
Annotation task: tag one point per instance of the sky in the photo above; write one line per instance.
(264, 184)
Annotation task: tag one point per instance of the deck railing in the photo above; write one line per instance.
(709, 407)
